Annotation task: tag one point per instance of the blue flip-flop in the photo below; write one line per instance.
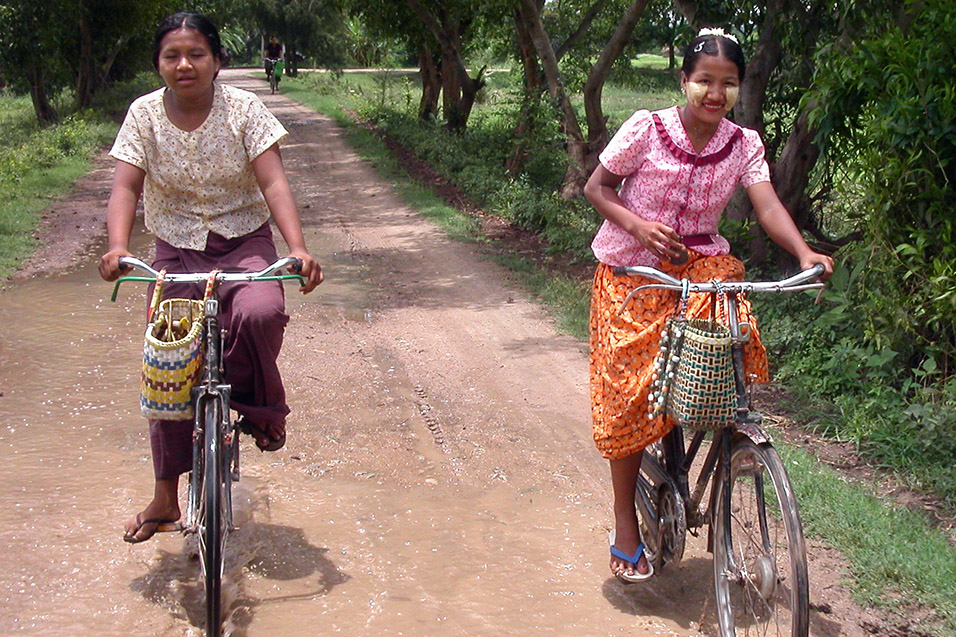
(636, 576)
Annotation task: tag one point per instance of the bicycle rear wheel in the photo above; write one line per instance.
(211, 528)
(760, 558)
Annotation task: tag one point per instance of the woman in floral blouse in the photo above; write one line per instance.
(662, 184)
(205, 159)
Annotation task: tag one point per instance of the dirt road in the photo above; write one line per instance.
(439, 477)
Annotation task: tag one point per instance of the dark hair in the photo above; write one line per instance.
(186, 20)
(713, 45)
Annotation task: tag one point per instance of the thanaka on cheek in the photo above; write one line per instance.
(695, 93)
(733, 92)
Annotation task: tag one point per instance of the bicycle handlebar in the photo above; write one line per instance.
(266, 274)
(795, 283)
(200, 277)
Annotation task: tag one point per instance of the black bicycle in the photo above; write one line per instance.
(755, 533)
(215, 437)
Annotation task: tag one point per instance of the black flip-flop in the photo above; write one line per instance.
(162, 526)
(246, 426)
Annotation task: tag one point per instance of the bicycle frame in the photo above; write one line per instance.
(742, 469)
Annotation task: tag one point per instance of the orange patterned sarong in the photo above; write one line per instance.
(624, 344)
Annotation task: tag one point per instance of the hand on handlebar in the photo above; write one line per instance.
(109, 266)
(310, 270)
(815, 258)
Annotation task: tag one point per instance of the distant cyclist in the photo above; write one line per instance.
(271, 54)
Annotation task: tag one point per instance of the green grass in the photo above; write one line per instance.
(37, 165)
(896, 560)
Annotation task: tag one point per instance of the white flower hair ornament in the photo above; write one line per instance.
(718, 32)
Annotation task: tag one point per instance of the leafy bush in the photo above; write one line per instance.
(892, 101)
(475, 159)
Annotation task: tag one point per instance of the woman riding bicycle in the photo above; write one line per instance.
(661, 186)
(205, 158)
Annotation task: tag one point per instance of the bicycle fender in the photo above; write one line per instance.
(754, 431)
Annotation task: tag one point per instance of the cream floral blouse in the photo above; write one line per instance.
(200, 181)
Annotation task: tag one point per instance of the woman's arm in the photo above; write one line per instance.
(601, 191)
(275, 188)
(120, 214)
(776, 221)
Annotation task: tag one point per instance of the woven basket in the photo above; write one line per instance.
(172, 358)
(693, 381)
(171, 368)
(703, 394)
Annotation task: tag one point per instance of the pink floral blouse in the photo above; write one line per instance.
(665, 181)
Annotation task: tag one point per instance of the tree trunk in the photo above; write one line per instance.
(431, 85)
(791, 173)
(688, 8)
(110, 58)
(594, 86)
(582, 29)
(44, 111)
(86, 72)
(576, 144)
(532, 93)
(766, 57)
(458, 88)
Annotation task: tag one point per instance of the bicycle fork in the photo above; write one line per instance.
(213, 389)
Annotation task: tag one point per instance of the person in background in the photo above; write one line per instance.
(270, 54)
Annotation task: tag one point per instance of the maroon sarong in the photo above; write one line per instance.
(253, 317)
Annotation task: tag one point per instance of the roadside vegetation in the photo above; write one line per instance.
(40, 163)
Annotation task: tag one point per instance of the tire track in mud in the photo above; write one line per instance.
(431, 421)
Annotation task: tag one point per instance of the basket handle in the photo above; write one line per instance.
(157, 295)
(210, 285)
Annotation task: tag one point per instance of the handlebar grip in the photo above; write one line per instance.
(620, 270)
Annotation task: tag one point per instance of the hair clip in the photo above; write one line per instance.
(718, 32)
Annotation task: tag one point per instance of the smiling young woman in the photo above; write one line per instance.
(662, 185)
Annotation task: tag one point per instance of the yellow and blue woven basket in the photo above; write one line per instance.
(171, 367)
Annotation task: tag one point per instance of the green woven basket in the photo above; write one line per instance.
(701, 392)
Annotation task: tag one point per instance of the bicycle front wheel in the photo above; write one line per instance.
(211, 520)
(760, 558)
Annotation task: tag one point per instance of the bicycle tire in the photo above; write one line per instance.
(272, 82)
(760, 558)
(211, 530)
